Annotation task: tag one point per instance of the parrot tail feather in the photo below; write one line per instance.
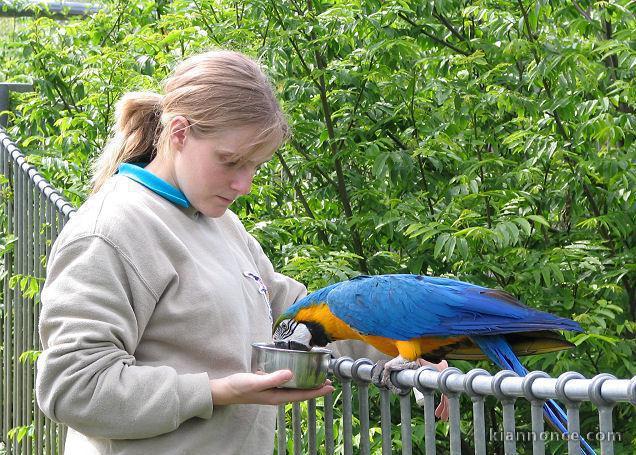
(500, 352)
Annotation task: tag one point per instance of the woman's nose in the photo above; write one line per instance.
(242, 181)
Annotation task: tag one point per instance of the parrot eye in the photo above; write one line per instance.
(285, 329)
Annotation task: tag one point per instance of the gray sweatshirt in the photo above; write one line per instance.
(144, 302)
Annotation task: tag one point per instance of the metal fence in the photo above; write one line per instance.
(33, 212)
(603, 391)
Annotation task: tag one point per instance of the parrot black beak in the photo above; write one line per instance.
(292, 345)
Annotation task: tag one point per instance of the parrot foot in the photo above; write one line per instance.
(381, 374)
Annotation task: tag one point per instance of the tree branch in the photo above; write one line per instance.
(206, 24)
(299, 192)
(299, 149)
(431, 36)
(342, 188)
(450, 27)
(584, 13)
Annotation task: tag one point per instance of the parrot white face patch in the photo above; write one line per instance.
(291, 334)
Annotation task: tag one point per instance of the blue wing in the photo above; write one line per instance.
(403, 307)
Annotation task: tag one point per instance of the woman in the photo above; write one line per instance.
(155, 291)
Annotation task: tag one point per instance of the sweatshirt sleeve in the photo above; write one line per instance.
(283, 290)
(95, 306)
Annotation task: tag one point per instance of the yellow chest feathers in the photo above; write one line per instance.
(335, 328)
(338, 330)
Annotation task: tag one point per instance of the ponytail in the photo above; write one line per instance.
(134, 136)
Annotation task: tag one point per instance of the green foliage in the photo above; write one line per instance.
(28, 285)
(18, 433)
(488, 141)
(29, 357)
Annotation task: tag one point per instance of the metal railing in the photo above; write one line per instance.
(44, 8)
(603, 391)
(5, 102)
(33, 213)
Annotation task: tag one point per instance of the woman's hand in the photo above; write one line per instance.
(242, 388)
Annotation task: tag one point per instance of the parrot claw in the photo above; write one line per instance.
(381, 373)
(381, 376)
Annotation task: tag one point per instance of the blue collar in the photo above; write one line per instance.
(153, 183)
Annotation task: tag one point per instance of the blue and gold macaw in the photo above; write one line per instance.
(413, 316)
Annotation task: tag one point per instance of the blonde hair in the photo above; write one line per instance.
(214, 91)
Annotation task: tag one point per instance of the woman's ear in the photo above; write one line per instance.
(178, 128)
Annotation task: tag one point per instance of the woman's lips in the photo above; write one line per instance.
(226, 200)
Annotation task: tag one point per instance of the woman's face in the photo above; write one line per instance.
(212, 172)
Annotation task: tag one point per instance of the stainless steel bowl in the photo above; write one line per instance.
(309, 367)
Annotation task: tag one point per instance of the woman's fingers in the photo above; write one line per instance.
(279, 396)
(275, 379)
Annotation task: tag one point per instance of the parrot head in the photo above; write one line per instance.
(300, 327)
(300, 336)
(290, 334)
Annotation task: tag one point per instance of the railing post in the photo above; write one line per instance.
(363, 405)
(311, 426)
(572, 406)
(428, 403)
(479, 418)
(405, 422)
(281, 426)
(385, 420)
(347, 417)
(328, 414)
(508, 405)
(453, 400)
(605, 408)
(536, 410)
(347, 413)
(296, 429)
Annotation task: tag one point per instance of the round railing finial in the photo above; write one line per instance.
(496, 384)
(594, 390)
(470, 377)
(562, 380)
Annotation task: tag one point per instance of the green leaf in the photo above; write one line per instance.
(439, 244)
(450, 247)
(539, 219)
(379, 165)
(556, 272)
(524, 225)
